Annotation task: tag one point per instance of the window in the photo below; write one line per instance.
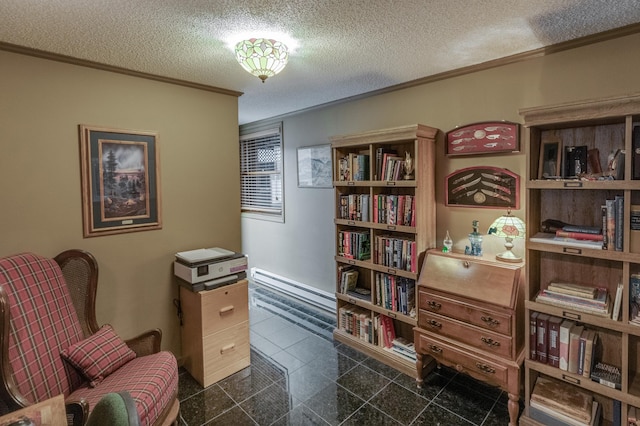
(261, 173)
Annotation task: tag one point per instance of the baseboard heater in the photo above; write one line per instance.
(318, 298)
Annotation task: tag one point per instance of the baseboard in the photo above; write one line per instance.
(318, 298)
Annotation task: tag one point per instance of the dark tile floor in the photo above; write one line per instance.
(300, 376)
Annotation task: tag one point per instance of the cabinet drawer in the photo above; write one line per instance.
(225, 349)
(463, 362)
(224, 307)
(491, 320)
(486, 340)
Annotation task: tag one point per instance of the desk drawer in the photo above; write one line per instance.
(462, 361)
(491, 320)
(486, 340)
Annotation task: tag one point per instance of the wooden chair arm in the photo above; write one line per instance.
(77, 412)
(146, 343)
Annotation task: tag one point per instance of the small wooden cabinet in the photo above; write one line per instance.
(215, 331)
(470, 317)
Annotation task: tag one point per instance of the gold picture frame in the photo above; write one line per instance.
(120, 175)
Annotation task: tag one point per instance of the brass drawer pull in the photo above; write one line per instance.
(434, 305)
(489, 342)
(435, 349)
(434, 323)
(485, 368)
(490, 321)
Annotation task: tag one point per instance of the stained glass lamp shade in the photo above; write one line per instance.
(262, 57)
(508, 227)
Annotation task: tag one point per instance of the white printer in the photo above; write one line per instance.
(210, 268)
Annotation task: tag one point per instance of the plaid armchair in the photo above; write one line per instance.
(51, 344)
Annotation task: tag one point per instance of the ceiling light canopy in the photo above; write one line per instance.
(262, 57)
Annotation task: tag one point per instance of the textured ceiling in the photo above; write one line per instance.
(341, 48)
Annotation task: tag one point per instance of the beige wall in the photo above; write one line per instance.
(41, 105)
(304, 247)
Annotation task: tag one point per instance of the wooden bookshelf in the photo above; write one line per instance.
(418, 141)
(605, 125)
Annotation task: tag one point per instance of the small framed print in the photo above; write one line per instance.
(120, 181)
(314, 167)
(550, 164)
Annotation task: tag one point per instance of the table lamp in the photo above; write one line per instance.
(509, 227)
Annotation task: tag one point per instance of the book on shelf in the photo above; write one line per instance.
(591, 344)
(553, 342)
(579, 235)
(619, 218)
(542, 339)
(549, 238)
(583, 229)
(601, 299)
(533, 342)
(379, 155)
(402, 346)
(588, 307)
(606, 374)
(582, 345)
(348, 279)
(634, 299)
(588, 292)
(360, 293)
(549, 417)
(565, 328)
(562, 398)
(635, 215)
(617, 302)
(388, 331)
(574, 348)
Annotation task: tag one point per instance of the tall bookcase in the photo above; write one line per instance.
(386, 214)
(605, 125)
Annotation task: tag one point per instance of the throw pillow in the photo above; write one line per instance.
(99, 355)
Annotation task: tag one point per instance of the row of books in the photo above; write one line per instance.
(353, 167)
(389, 165)
(587, 299)
(354, 245)
(396, 253)
(634, 299)
(572, 347)
(358, 322)
(557, 403)
(612, 223)
(354, 207)
(395, 293)
(394, 209)
(404, 348)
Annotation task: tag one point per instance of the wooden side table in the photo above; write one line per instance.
(50, 412)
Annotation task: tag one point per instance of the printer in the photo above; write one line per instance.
(209, 268)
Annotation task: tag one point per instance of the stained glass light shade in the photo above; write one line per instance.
(508, 227)
(262, 57)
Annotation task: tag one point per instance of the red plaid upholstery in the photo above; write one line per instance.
(151, 380)
(43, 322)
(99, 355)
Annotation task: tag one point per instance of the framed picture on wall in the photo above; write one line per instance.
(314, 167)
(120, 175)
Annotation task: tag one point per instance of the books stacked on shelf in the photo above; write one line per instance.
(552, 238)
(385, 330)
(404, 348)
(357, 322)
(607, 374)
(395, 293)
(612, 223)
(594, 301)
(394, 209)
(348, 279)
(354, 207)
(563, 343)
(353, 167)
(557, 403)
(396, 253)
(634, 299)
(354, 245)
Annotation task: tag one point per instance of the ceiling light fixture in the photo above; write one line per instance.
(262, 57)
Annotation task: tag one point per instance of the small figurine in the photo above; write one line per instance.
(447, 243)
(408, 166)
